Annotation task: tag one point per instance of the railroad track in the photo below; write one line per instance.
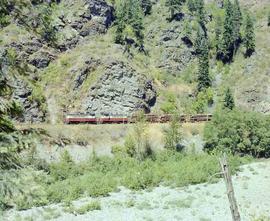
(80, 118)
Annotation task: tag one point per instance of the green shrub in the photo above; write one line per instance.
(119, 150)
(101, 175)
(239, 132)
(65, 168)
(137, 143)
(28, 189)
(169, 106)
(66, 190)
(173, 135)
(203, 100)
(94, 205)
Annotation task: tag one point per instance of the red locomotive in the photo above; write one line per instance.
(78, 118)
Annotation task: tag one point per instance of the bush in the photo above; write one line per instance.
(94, 205)
(203, 101)
(137, 143)
(173, 135)
(65, 168)
(26, 189)
(102, 175)
(239, 132)
(169, 106)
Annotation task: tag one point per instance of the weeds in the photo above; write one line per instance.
(99, 176)
(102, 175)
(94, 205)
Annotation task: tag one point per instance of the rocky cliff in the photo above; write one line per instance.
(120, 90)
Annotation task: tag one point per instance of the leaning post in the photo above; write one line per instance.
(230, 192)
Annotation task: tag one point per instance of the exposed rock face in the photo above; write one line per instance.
(175, 46)
(31, 109)
(256, 96)
(120, 91)
(82, 73)
(101, 9)
(33, 52)
(94, 19)
(91, 18)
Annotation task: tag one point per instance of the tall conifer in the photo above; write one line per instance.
(202, 50)
(228, 39)
(174, 6)
(249, 35)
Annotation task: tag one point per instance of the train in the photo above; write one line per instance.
(84, 118)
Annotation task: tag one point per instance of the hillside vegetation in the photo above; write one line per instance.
(125, 57)
(78, 57)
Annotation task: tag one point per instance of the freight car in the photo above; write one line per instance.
(78, 118)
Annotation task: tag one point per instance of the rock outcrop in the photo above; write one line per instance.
(22, 93)
(83, 72)
(94, 18)
(32, 52)
(120, 91)
(175, 47)
(255, 96)
(88, 17)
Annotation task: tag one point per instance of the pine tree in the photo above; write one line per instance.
(121, 18)
(249, 36)
(174, 6)
(237, 22)
(202, 50)
(4, 19)
(137, 22)
(48, 32)
(146, 6)
(5, 105)
(129, 23)
(228, 100)
(228, 39)
(218, 36)
(200, 13)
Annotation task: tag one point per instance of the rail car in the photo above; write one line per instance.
(80, 118)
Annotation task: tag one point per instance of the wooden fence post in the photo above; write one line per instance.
(230, 192)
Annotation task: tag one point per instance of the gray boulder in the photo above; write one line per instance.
(41, 59)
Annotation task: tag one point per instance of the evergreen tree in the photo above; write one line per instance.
(237, 21)
(218, 36)
(8, 108)
(228, 38)
(121, 19)
(174, 6)
(129, 22)
(200, 13)
(146, 6)
(4, 19)
(47, 31)
(228, 100)
(137, 22)
(202, 50)
(191, 6)
(249, 35)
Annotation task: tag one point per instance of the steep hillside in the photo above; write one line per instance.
(85, 70)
